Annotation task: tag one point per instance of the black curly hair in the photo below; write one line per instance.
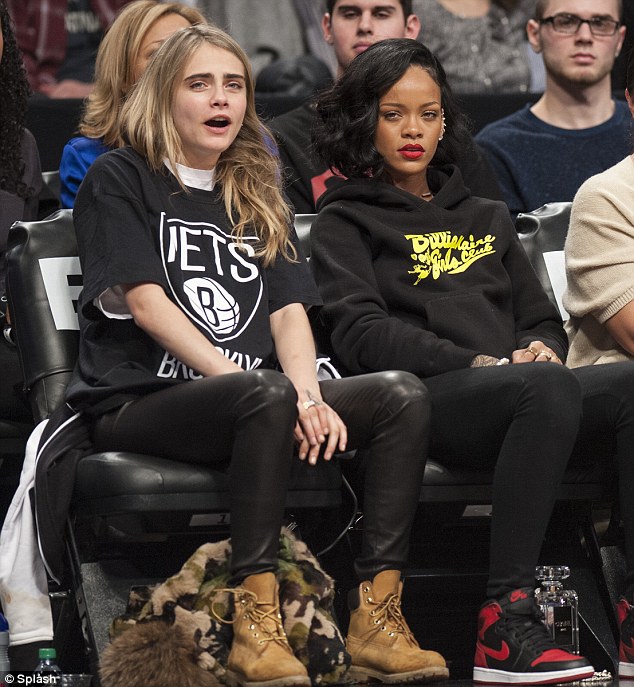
(13, 106)
(344, 133)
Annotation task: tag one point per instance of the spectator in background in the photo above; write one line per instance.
(136, 34)
(351, 26)
(266, 31)
(20, 184)
(545, 151)
(482, 45)
(288, 71)
(59, 41)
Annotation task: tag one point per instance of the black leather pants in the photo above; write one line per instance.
(387, 414)
(247, 420)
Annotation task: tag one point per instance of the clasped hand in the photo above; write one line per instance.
(536, 352)
(318, 424)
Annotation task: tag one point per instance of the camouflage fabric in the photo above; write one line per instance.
(194, 598)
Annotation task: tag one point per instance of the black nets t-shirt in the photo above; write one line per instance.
(134, 226)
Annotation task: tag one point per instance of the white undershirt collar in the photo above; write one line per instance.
(203, 179)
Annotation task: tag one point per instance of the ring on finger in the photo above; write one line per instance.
(546, 355)
(309, 404)
(530, 349)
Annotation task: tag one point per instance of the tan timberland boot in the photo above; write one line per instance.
(379, 641)
(260, 653)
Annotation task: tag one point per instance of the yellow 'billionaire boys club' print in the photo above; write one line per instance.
(442, 251)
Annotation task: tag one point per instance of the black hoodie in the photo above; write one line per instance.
(425, 286)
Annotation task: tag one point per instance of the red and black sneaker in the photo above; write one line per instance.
(625, 616)
(515, 647)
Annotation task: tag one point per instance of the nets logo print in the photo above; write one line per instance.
(213, 303)
(215, 279)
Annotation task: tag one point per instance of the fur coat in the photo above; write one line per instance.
(170, 634)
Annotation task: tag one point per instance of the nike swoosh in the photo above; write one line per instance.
(499, 655)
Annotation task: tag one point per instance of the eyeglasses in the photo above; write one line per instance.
(571, 23)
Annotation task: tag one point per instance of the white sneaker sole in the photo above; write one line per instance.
(626, 670)
(492, 676)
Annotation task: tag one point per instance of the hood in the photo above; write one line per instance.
(445, 182)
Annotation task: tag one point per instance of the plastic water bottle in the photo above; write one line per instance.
(4, 649)
(48, 665)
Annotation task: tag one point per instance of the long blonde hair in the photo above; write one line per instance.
(247, 171)
(114, 69)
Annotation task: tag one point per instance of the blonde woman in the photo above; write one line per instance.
(195, 294)
(136, 34)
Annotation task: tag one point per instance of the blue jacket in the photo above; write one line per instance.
(79, 153)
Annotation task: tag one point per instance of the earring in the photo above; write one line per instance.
(442, 126)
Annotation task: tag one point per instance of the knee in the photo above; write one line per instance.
(272, 387)
(608, 389)
(613, 379)
(554, 388)
(403, 389)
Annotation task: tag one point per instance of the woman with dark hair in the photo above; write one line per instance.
(20, 184)
(20, 174)
(194, 299)
(418, 275)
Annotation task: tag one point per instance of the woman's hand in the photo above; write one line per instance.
(317, 424)
(536, 352)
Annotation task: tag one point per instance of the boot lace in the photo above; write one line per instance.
(387, 617)
(266, 625)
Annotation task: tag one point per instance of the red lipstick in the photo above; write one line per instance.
(412, 152)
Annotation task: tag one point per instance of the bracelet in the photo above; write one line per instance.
(503, 361)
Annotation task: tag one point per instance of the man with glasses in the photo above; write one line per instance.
(545, 151)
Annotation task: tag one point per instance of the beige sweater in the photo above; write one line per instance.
(600, 263)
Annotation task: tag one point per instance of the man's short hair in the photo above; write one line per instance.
(540, 8)
(405, 4)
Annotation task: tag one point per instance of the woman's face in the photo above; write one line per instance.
(156, 35)
(409, 125)
(209, 105)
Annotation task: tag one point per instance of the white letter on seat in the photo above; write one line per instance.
(61, 294)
